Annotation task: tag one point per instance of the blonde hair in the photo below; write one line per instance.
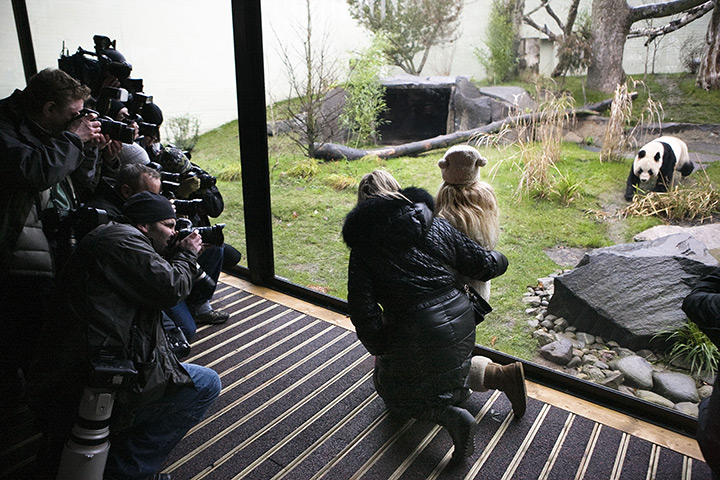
(378, 183)
(472, 209)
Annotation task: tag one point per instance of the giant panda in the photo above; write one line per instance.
(659, 159)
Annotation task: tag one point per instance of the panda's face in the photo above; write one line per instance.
(647, 165)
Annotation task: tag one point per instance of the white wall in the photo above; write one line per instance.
(183, 49)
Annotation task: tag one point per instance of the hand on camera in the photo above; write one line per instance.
(112, 149)
(192, 242)
(87, 128)
(188, 186)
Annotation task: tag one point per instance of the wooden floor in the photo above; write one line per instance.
(298, 403)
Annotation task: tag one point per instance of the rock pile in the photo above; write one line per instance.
(591, 358)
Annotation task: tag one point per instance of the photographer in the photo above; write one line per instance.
(110, 197)
(41, 144)
(196, 184)
(115, 287)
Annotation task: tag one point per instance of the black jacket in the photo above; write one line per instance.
(702, 306)
(113, 290)
(402, 296)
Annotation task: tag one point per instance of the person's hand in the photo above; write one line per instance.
(188, 186)
(112, 149)
(87, 128)
(192, 242)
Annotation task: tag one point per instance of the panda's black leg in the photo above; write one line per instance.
(632, 182)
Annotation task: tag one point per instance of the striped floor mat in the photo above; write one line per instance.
(298, 403)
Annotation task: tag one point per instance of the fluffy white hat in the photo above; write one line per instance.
(461, 164)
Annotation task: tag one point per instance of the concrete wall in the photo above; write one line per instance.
(183, 49)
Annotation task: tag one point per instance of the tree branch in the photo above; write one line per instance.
(689, 17)
(659, 10)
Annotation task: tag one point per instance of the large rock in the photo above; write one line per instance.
(638, 371)
(630, 292)
(471, 107)
(675, 386)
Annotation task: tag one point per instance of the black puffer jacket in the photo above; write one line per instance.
(402, 298)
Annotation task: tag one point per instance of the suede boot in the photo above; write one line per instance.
(461, 426)
(509, 379)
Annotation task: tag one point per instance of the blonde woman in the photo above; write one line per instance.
(408, 313)
(469, 204)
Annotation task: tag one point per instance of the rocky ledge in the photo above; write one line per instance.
(641, 374)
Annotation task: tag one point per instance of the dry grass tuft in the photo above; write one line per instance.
(616, 141)
(697, 203)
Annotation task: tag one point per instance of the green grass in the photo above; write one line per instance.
(308, 214)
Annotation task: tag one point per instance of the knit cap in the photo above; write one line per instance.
(461, 165)
(147, 207)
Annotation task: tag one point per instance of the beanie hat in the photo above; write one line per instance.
(461, 164)
(133, 153)
(151, 113)
(148, 207)
(115, 107)
(174, 160)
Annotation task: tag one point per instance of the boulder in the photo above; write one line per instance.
(629, 292)
(654, 398)
(559, 351)
(637, 371)
(675, 386)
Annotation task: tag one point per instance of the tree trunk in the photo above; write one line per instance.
(610, 26)
(709, 72)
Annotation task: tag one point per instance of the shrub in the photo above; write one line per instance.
(304, 168)
(691, 344)
(184, 131)
(365, 94)
(500, 59)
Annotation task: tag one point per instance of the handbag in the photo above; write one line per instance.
(480, 306)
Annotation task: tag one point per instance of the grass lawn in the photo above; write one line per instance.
(308, 214)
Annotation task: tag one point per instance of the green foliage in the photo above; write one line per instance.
(184, 131)
(410, 26)
(304, 168)
(692, 345)
(500, 58)
(567, 187)
(365, 94)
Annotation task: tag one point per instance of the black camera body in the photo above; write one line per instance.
(212, 235)
(108, 371)
(115, 130)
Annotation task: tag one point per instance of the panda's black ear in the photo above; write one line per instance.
(641, 153)
(657, 157)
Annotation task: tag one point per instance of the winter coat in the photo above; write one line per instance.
(702, 306)
(31, 163)
(113, 291)
(403, 298)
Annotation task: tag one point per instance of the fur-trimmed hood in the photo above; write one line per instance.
(390, 222)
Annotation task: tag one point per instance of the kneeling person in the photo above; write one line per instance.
(113, 291)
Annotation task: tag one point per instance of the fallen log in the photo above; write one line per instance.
(334, 151)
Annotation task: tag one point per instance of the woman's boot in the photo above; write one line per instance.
(509, 379)
(461, 426)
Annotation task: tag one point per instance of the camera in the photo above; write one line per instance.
(115, 130)
(65, 228)
(108, 371)
(187, 208)
(206, 180)
(212, 235)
